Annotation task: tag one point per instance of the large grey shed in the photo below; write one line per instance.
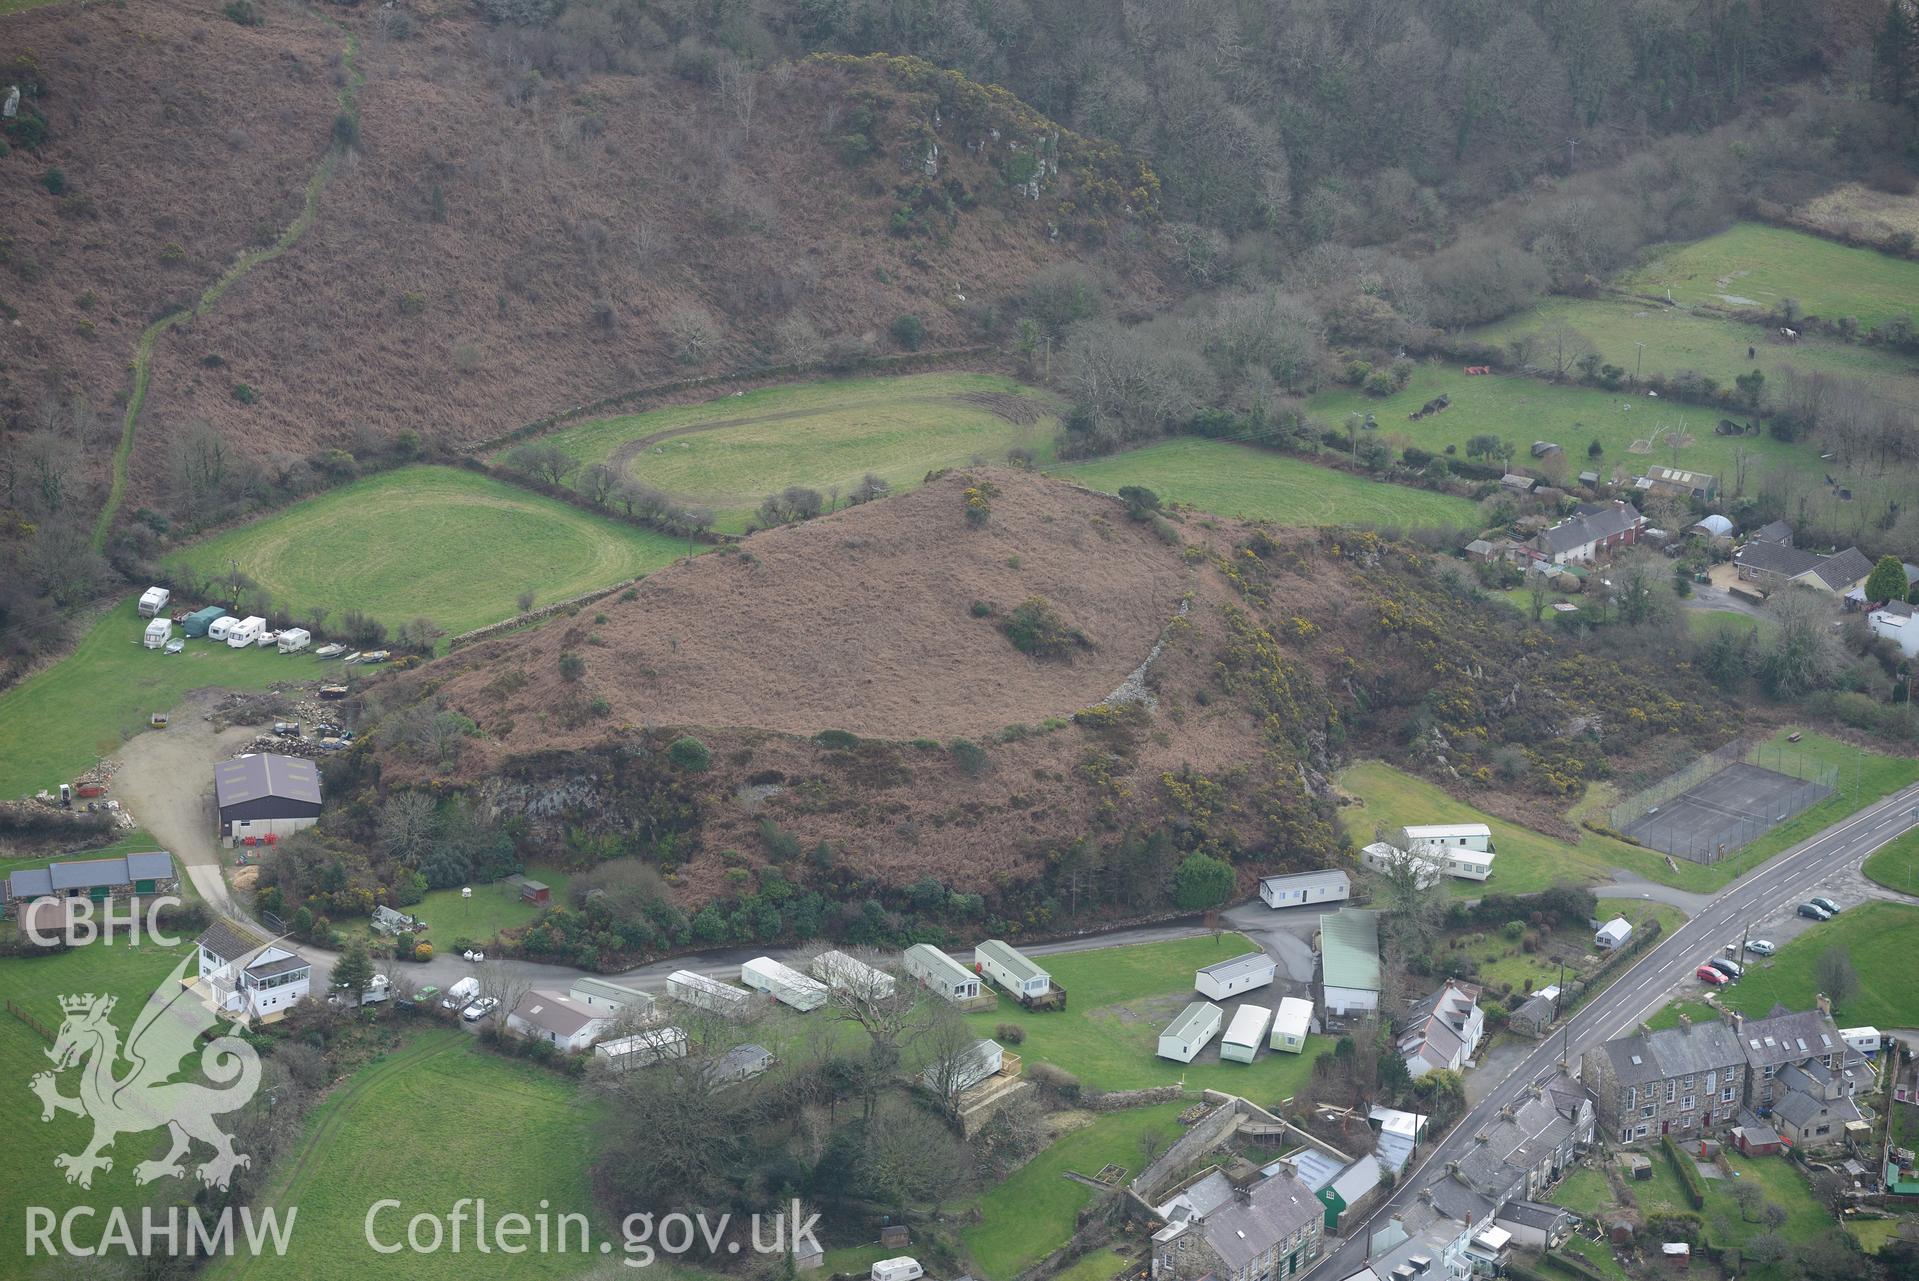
(261, 794)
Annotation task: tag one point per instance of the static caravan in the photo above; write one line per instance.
(619, 998)
(1304, 889)
(1244, 1034)
(1011, 969)
(900, 1269)
(1230, 978)
(222, 627)
(783, 983)
(708, 994)
(153, 600)
(1292, 1024)
(1454, 860)
(968, 1069)
(159, 632)
(642, 1049)
(1191, 1032)
(841, 972)
(941, 972)
(1467, 836)
(196, 623)
(1612, 934)
(246, 631)
(295, 639)
(1864, 1040)
(1383, 857)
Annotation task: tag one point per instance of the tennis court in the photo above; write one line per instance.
(1725, 811)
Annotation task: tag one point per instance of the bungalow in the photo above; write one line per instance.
(1191, 1032)
(1349, 961)
(1302, 889)
(1241, 974)
(1675, 482)
(1840, 573)
(1444, 1030)
(102, 880)
(1536, 1013)
(941, 973)
(560, 1021)
(248, 977)
(1773, 564)
(1594, 531)
(1292, 1024)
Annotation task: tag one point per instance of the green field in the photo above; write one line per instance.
(435, 542)
(62, 720)
(491, 909)
(35, 984)
(1897, 865)
(1260, 484)
(428, 1124)
(1522, 410)
(1527, 861)
(728, 454)
(1704, 624)
(1120, 999)
(1763, 265)
(1679, 339)
(1879, 938)
(1032, 1212)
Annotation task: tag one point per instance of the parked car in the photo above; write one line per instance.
(1707, 974)
(426, 995)
(480, 1009)
(1814, 911)
(1832, 908)
(1728, 968)
(287, 729)
(1760, 947)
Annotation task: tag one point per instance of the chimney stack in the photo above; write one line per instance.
(1426, 1195)
(1738, 1022)
(1645, 1029)
(1685, 1021)
(1824, 1003)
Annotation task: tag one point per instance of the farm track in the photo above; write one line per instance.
(247, 261)
(338, 1108)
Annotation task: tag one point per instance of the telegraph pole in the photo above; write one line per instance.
(1572, 154)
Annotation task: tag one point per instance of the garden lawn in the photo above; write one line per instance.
(730, 453)
(1878, 936)
(1679, 339)
(1896, 866)
(1032, 1212)
(35, 983)
(1263, 484)
(1095, 1265)
(1873, 1235)
(1588, 1193)
(1704, 624)
(63, 719)
(1755, 266)
(434, 1121)
(1500, 962)
(1525, 861)
(434, 542)
(1595, 1253)
(1120, 999)
(1521, 410)
(492, 908)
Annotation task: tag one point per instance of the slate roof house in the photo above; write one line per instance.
(1444, 1030)
(1681, 1080)
(559, 1020)
(1521, 1153)
(1269, 1231)
(1591, 534)
(261, 794)
(1801, 1074)
(1772, 564)
(98, 879)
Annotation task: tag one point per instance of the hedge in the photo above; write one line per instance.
(1577, 1266)
(1688, 1173)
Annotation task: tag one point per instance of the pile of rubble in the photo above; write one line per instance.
(284, 746)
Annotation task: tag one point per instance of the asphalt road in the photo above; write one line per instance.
(1648, 985)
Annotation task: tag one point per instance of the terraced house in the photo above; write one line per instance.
(1681, 1080)
(1268, 1231)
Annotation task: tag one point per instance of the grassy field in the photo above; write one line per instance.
(1239, 480)
(491, 909)
(1897, 865)
(1121, 998)
(1522, 410)
(1587, 1192)
(61, 720)
(35, 984)
(1032, 1212)
(474, 1124)
(434, 542)
(1878, 936)
(1707, 623)
(1678, 339)
(730, 453)
(1756, 266)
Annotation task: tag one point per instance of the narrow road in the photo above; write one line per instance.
(1647, 986)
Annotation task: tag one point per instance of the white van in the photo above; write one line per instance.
(246, 631)
(222, 627)
(903, 1268)
(460, 993)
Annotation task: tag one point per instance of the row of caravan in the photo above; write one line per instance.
(238, 633)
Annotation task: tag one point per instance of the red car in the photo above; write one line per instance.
(1707, 974)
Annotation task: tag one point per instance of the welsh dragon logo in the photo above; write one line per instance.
(141, 1099)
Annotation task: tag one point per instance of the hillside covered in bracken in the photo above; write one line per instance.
(1188, 689)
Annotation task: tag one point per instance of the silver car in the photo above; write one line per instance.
(1760, 947)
